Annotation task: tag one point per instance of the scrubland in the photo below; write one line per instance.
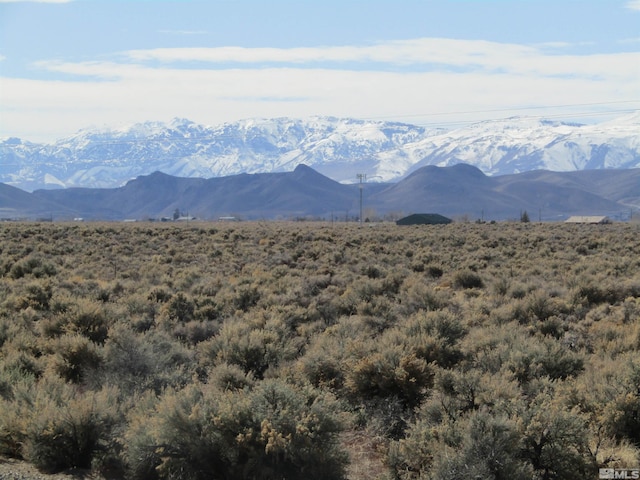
(320, 351)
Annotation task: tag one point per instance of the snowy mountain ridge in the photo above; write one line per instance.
(339, 148)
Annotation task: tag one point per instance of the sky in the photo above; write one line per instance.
(66, 65)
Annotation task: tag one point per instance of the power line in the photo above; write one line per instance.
(211, 135)
(512, 109)
(540, 117)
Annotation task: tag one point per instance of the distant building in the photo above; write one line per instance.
(424, 219)
(588, 219)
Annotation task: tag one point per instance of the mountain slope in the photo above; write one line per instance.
(453, 191)
(265, 195)
(15, 203)
(517, 145)
(337, 148)
(465, 190)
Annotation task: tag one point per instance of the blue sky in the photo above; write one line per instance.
(67, 65)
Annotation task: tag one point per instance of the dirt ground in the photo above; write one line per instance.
(12, 469)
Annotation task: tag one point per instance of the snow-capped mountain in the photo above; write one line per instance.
(338, 148)
(517, 145)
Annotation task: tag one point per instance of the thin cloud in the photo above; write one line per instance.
(217, 96)
(36, 1)
(563, 45)
(404, 78)
(183, 32)
(406, 52)
(633, 5)
(425, 54)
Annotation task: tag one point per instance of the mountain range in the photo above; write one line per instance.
(456, 191)
(337, 148)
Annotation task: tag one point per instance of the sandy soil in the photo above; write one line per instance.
(12, 469)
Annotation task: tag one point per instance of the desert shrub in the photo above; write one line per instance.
(594, 294)
(544, 357)
(457, 393)
(6, 385)
(52, 326)
(268, 432)
(37, 295)
(71, 435)
(434, 271)
(5, 330)
(90, 320)
(347, 303)
(194, 332)
(16, 410)
(621, 412)
(207, 309)
(75, 358)
(540, 306)
(303, 302)
(229, 377)
(21, 356)
(553, 327)
(12, 429)
(434, 336)
(555, 440)
(418, 295)
(246, 297)
(136, 362)
(605, 291)
(314, 284)
(159, 295)
(542, 440)
(373, 271)
(389, 373)
(179, 308)
(57, 426)
(489, 448)
(32, 265)
(254, 347)
(467, 279)
(18, 365)
(322, 370)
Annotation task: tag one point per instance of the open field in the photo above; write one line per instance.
(320, 351)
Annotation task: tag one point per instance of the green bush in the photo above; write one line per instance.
(34, 266)
(390, 373)
(434, 336)
(211, 335)
(622, 412)
(76, 358)
(37, 296)
(64, 427)
(149, 361)
(88, 319)
(180, 308)
(490, 449)
(555, 440)
(467, 279)
(268, 432)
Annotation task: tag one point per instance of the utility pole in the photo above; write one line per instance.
(361, 177)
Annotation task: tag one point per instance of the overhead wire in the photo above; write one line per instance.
(211, 135)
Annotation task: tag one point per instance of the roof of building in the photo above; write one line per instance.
(588, 219)
(424, 219)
